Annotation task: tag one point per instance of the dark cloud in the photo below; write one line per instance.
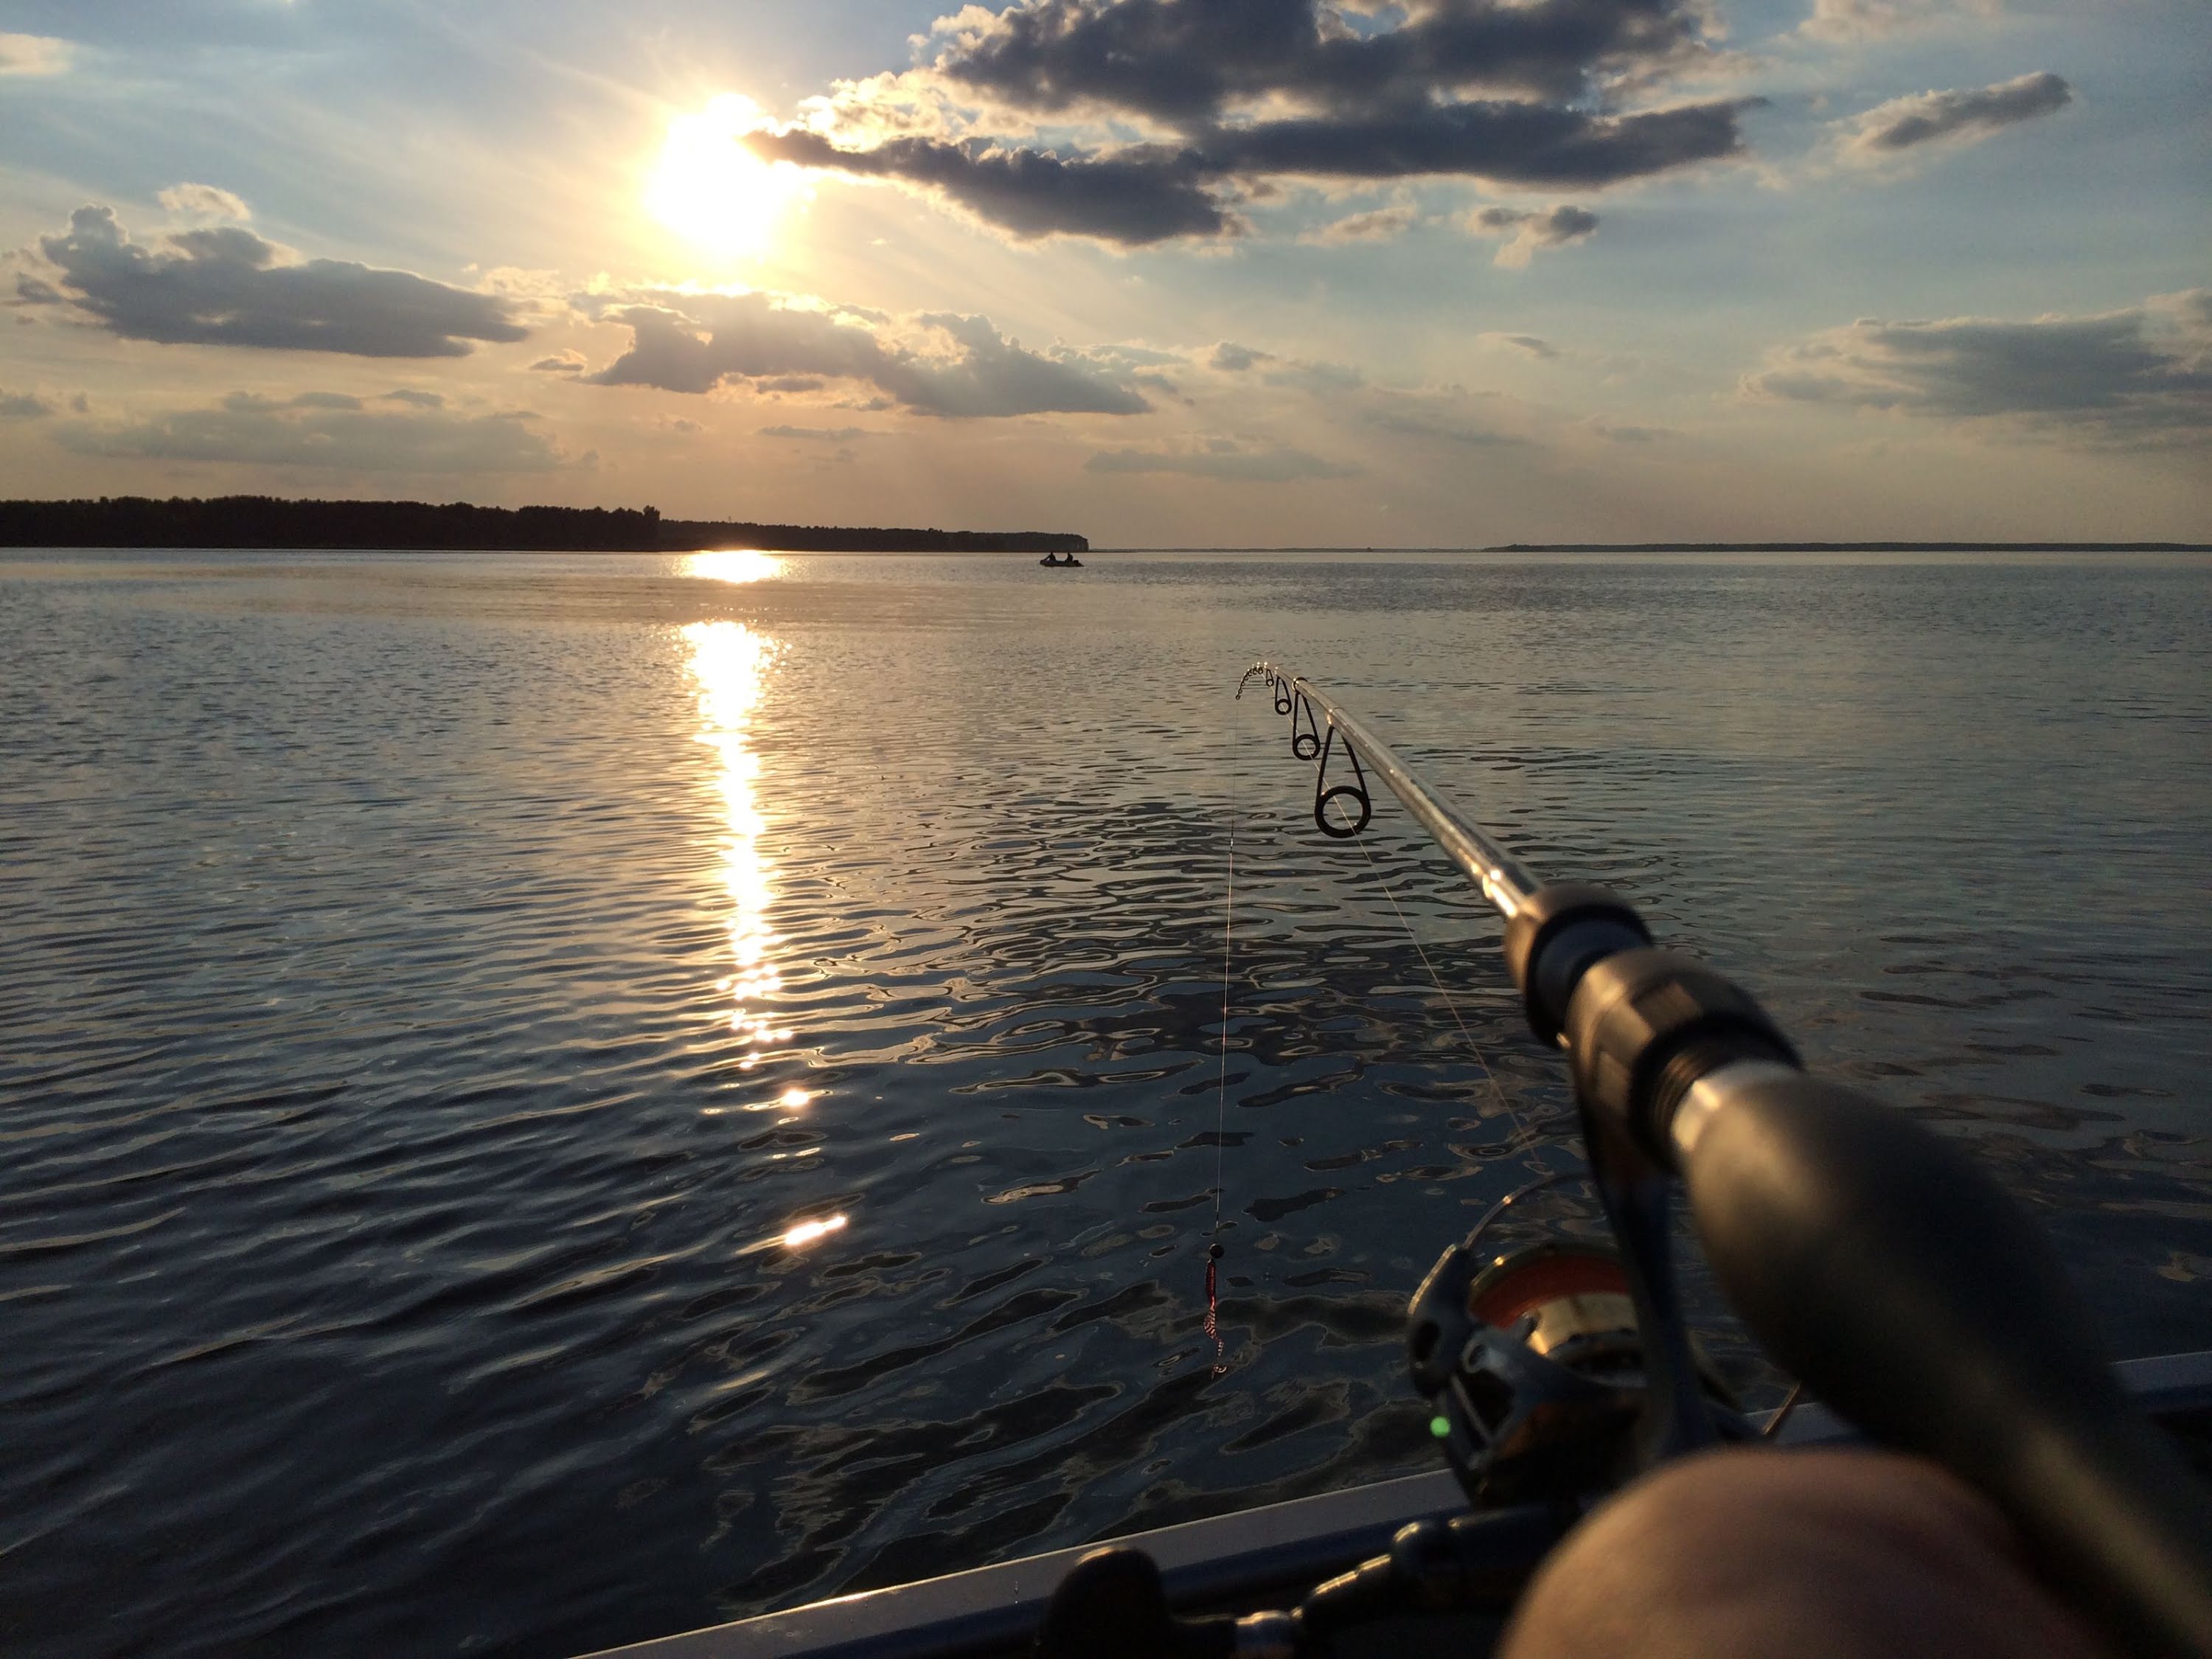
(1960, 117)
(1512, 143)
(1144, 194)
(1551, 227)
(1221, 458)
(2142, 375)
(938, 363)
(23, 406)
(1189, 62)
(1230, 95)
(322, 430)
(565, 362)
(223, 285)
(1151, 193)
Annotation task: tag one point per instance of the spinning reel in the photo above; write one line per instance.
(1533, 1371)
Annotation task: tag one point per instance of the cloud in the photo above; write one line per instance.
(1436, 419)
(325, 430)
(1189, 106)
(418, 399)
(1528, 343)
(23, 406)
(1221, 457)
(223, 285)
(1151, 193)
(1962, 117)
(561, 362)
(34, 54)
(1379, 224)
(204, 202)
(2139, 377)
(827, 434)
(1875, 19)
(1141, 195)
(1551, 227)
(1233, 359)
(1618, 433)
(936, 362)
(1189, 62)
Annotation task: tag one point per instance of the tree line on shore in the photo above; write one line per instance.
(265, 521)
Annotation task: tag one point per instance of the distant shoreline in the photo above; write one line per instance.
(266, 522)
(1722, 547)
(1850, 547)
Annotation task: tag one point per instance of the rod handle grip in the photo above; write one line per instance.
(1887, 1269)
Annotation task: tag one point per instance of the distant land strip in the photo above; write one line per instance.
(1852, 547)
(263, 521)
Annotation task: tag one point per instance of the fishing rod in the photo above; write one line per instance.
(1874, 1259)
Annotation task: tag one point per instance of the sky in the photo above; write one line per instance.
(1165, 272)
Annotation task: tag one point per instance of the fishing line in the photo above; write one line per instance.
(1525, 1135)
(1213, 1251)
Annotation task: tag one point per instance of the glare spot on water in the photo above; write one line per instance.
(731, 566)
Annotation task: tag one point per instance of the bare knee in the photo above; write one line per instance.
(1749, 1553)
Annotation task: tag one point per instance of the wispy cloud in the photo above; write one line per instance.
(1962, 116)
(1876, 20)
(934, 362)
(1530, 344)
(206, 202)
(35, 55)
(223, 285)
(326, 431)
(1528, 231)
(823, 435)
(1379, 224)
(1223, 459)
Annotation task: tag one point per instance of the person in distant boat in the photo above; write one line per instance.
(1741, 1554)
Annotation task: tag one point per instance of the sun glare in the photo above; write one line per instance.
(709, 189)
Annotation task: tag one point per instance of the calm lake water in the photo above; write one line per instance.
(550, 1100)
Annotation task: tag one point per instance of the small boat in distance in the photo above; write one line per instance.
(1071, 562)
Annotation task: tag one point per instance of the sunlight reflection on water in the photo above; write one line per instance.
(730, 663)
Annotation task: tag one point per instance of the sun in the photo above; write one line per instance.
(709, 189)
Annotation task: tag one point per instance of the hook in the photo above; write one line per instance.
(1305, 745)
(1355, 791)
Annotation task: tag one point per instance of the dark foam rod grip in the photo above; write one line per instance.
(1880, 1263)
